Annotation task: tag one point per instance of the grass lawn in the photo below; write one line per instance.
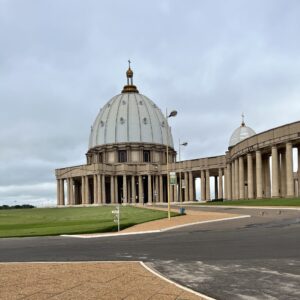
(71, 220)
(258, 202)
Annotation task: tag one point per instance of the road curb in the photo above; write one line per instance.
(204, 222)
(156, 273)
(82, 236)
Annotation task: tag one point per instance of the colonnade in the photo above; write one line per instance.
(104, 189)
(264, 173)
(260, 166)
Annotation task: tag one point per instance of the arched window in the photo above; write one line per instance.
(122, 155)
(147, 156)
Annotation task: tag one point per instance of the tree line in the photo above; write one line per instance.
(16, 206)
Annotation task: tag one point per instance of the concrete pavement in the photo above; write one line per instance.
(86, 280)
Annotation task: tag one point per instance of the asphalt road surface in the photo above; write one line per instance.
(250, 258)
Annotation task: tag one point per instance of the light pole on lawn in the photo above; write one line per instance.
(173, 113)
(180, 187)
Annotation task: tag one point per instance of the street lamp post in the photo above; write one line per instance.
(180, 188)
(173, 113)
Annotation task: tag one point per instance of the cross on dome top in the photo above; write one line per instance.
(130, 87)
(243, 120)
(129, 72)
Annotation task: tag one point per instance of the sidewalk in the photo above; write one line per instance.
(86, 280)
(191, 217)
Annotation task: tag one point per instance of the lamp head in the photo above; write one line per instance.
(173, 113)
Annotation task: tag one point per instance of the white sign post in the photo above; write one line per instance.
(116, 214)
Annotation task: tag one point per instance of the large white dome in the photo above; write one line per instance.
(240, 134)
(130, 117)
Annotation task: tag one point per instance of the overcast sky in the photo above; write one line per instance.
(61, 61)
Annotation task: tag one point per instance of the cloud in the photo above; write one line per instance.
(40, 194)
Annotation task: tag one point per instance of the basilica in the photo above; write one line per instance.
(131, 151)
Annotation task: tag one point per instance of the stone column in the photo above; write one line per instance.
(116, 191)
(161, 190)
(233, 180)
(124, 189)
(203, 193)
(72, 198)
(283, 173)
(229, 182)
(241, 178)
(207, 185)
(258, 174)
(72, 191)
(186, 189)
(112, 189)
(76, 193)
(87, 190)
(236, 178)
(62, 191)
(133, 189)
(225, 187)
(58, 191)
(68, 192)
(268, 177)
(191, 187)
(289, 171)
(250, 176)
(275, 185)
(156, 199)
(149, 188)
(141, 192)
(99, 192)
(95, 188)
(216, 187)
(83, 200)
(128, 189)
(220, 189)
(103, 189)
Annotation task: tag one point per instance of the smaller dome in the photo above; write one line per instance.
(241, 133)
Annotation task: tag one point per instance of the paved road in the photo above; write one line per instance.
(252, 258)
